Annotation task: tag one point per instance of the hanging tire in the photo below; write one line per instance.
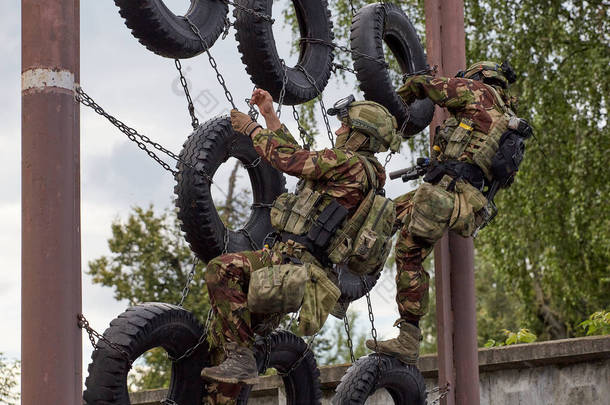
(351, 285)
(404, 383)
(259, 52)
(206, 149)
(302, 385)
(372, 25)
(138, 329)
(164, 33)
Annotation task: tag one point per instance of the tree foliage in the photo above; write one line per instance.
(9, 379)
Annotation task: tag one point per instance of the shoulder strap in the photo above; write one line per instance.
(371, 173)
(500, 101)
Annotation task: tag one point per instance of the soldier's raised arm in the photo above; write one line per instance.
(446, 92)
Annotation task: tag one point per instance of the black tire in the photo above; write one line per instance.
(259, 53)
(372, 25)
(303, 384)
(137, 330)
(404, 383)
(351, 285)
(206, 149)
(164, 33)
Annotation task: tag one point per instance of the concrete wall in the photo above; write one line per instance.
(561, 372)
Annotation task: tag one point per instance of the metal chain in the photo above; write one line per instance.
(83, 323)
(283, 91)
(213, 63)
(225, 249)
(346, 68)
(191, 107)
(349, 338)
(305, 138)
(189, 280)
(168, 401)
(298, 362)
(387, 159)
(201, 340)
(442, 393)
(321, 101)
(252, 111)
(141, 140)
(255, 13)
(381, 61)
(372, 320)
(351, 5)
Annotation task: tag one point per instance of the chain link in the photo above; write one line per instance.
(184, 83)
(349, 338)
(283, 91)
(442, 393)
(189, 280)
(168, 401)
(201, 340)
(387, 159)
(305, 137)
(339, 66)
(252, 112)
(253, 244)
(255, 13)
(141, 140)
(298, 362)
(321, 101)
(83, 323)
(213, 63)
(343, 48)
(225, 249)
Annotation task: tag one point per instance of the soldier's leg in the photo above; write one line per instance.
(412, 283)
(227, 278)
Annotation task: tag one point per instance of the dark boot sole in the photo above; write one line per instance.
(229, 380)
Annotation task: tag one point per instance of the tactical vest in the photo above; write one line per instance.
(458, 140)
(362, 240)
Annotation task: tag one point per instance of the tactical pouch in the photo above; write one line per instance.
(372, 243)
(468, 202)
(321, 295)
(325, 225)
(432, 210)
(281, 210)
(302, 211)
(341, 244)
(277, 289)
(459, 139)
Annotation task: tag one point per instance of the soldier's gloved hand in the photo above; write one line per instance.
(521, 126)
(243, 123)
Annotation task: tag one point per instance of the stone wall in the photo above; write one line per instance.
(561, 372)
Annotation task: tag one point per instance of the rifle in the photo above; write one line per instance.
(414, 172)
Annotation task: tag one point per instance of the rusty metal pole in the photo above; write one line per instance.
(51, 343)
(454, 255)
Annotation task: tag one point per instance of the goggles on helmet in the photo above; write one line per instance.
(341, 107)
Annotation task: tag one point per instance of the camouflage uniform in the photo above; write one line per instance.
(338, 174)
(425, 214)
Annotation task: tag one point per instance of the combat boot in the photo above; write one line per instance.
(238, 367)
(405, 347)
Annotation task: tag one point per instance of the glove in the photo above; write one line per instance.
(242, 123)
(522, 127)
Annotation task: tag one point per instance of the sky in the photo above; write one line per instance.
(141, 89)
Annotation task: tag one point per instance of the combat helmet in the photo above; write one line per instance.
(491, 73)
(371, 119)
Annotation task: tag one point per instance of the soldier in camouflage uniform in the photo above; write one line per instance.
(452, 195)
(338, 173)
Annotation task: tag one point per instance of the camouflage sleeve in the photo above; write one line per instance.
(283, 152)
(446, 92)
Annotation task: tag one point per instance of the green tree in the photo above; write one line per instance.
(9, 378)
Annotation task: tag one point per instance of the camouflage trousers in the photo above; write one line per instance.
(227, 278)
(423, 216)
